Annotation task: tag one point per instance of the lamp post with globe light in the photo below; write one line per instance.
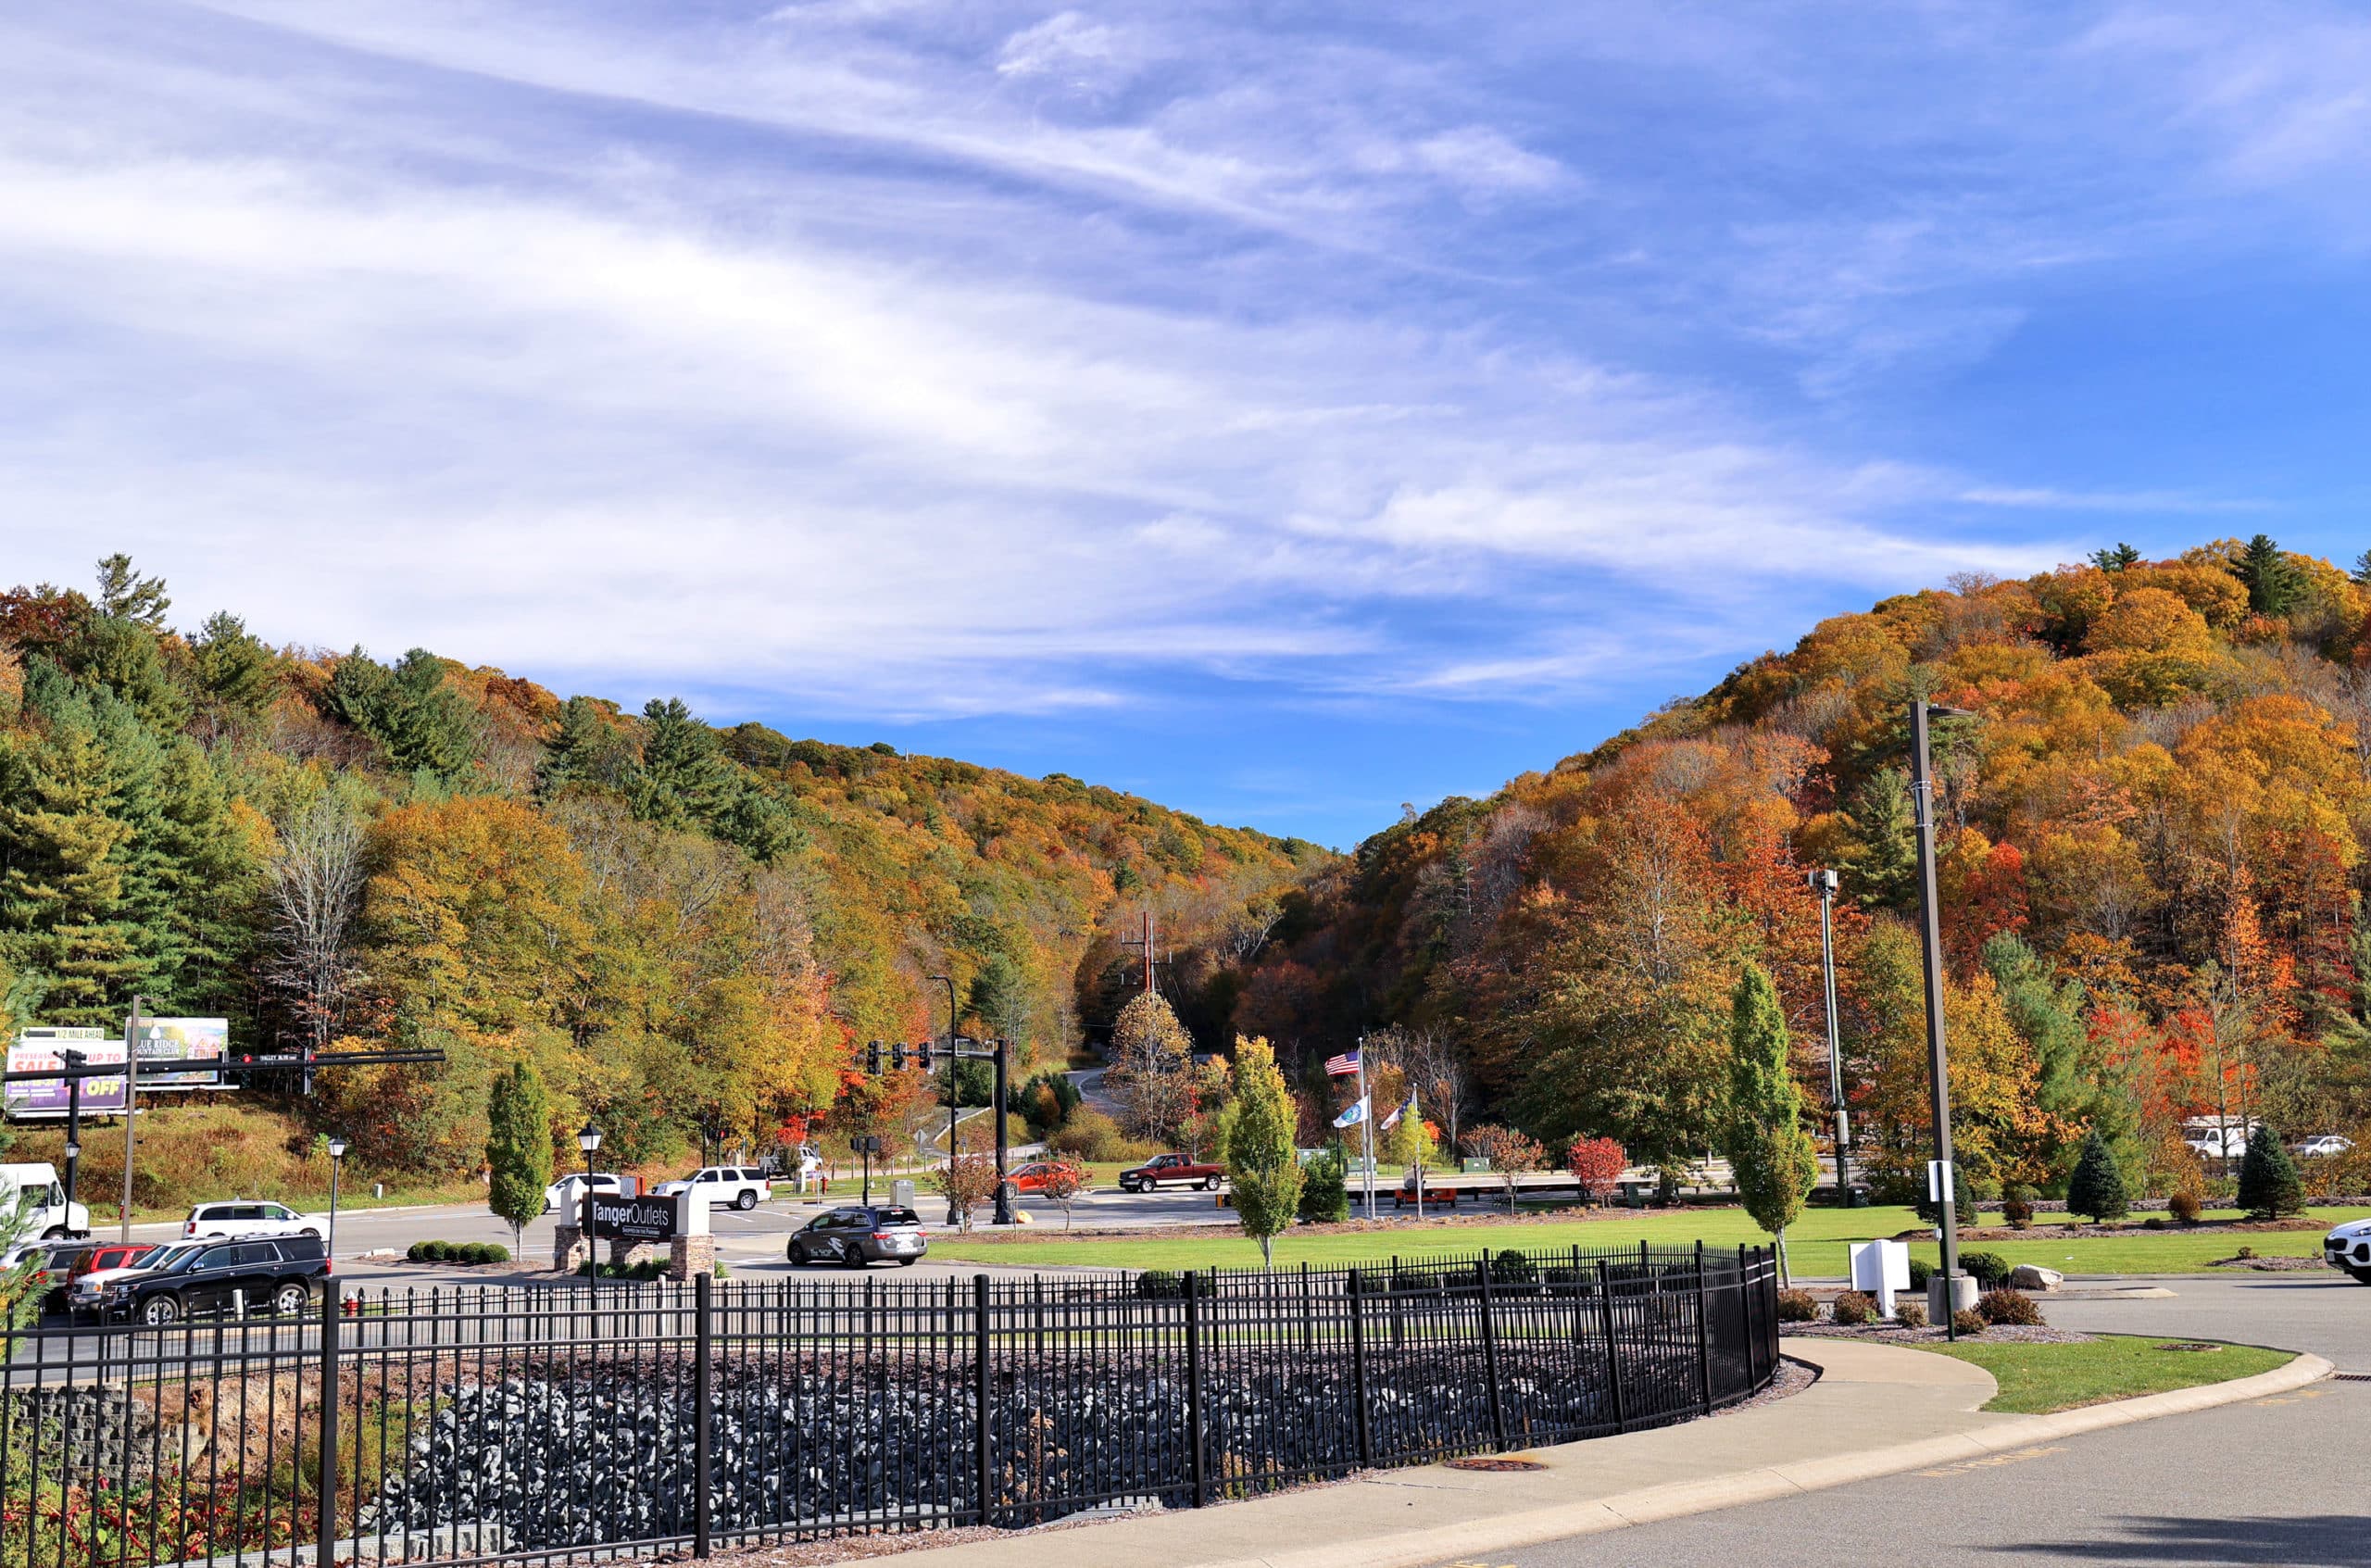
(337, 1160)
(589, 1140)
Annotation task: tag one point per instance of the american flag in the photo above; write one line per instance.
(1337, 1065)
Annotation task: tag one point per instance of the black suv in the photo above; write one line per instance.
(255, 1273)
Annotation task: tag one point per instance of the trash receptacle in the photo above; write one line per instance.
(901, 1192)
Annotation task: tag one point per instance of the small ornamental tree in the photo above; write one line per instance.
(2097, 1189)
(1769, 1152)
(1325, 1188)
(1260, 1160)
(518, 1147)
(2269, 1185)
(1063, 1184)
(1509, 1154)
(1596, 1164)
(967, 1181)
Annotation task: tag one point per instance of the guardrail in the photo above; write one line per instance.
(578, 1423)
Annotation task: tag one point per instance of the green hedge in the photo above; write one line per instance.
(458, 1253)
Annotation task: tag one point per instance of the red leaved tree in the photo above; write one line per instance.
(1596, 1164)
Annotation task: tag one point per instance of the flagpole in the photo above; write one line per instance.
(1419, 1142)
(1366, 1126)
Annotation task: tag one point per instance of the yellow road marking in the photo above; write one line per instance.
(1991, 1462)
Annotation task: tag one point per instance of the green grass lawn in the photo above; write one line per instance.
(1815, 1244)
(2038, 1379)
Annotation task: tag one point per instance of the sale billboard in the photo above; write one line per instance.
(38, 1051)
(167, 1039)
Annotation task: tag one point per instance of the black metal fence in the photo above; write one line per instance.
(571, 1423)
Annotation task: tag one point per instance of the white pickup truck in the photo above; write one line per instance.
(38, 1190)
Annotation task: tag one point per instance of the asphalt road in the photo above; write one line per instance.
(2281, 1480)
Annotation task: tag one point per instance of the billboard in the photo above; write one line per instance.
(36, 1050)
(163, 1039)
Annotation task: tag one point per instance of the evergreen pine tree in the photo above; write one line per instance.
(585, 751)
(124, 593)
(1261, 1160)
(518, 1147)
(233, 671)
(1325, 1188)
(2269, 1185)
(2115, 559)
(683, 779)
(2096, 1189)
(1884, 863)
(2271, 576)
(1770, 1154)
(62, 890)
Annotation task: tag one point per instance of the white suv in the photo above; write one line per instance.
(244, 1218)
(568, 1193)
(2348, 1246)
(723, 1186)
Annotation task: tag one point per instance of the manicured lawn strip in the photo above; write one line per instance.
(2038, 1379)
(1815, 1244)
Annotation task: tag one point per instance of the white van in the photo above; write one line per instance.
(52, 1216)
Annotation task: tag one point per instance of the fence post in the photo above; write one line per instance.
(1359, 1374)
(327, 1542)
(1745, 1316)
(703, 1397)
(1612, 1355)
(983, 1462)
(1703, 1333)
(1491, 1365)
(1194, 1469)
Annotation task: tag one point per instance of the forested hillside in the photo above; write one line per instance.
(2151, 857)
(688, 928)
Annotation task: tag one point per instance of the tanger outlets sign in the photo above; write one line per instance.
(633, 1219)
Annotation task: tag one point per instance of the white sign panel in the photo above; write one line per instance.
(166, 1039)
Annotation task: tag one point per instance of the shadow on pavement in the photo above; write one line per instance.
(2329, 1540)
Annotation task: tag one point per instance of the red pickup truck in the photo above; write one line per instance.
(1171, 1168)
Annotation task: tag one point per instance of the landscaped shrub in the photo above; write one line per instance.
(1324, 1189)
(2154, 1222)
(1853, 1309)
(1088, 1135)
(1987, 1269)
(1921, 1272)
(2245, 1254)
(2269, 1185)
(2008, 1309)
(1962, 1205)
(1797, 1306)
(2183, 1207)
(417, 1252)
(2097, 1188)
(1512, 1267)
(489, 1252)
(1966, 1321)
(1910, 1313)
(1160, 1282)
(2017, 1208)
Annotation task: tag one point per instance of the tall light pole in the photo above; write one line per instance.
(1824, 883)
(954, 1092)
(1944, 1179)
(337, 1160)
(73, 1129)
(589, 1140)
(130, 1106)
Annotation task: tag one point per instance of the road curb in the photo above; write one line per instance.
(1648, 1505)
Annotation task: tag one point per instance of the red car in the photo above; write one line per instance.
(1172, 1168)
(1033, 1177)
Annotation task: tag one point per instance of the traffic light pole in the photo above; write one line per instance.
(1930, 936)
(998, 1054)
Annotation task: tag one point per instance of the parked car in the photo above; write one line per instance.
(2328, 1146)
(246, 1217)
(1171, 1168)
(1033, 1176)
(257, 1273)
(857, 1237)
(569, 1191)
(109, 1255)
(725, 1187)
(52, 1218)
(2348, 1246)
(51, 1262)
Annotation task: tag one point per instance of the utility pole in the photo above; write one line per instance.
(1944, 1179)
(1144, 939)
(1824, 883)
(130, 1106)
(954, 1090)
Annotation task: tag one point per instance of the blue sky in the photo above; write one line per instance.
(1283, 411)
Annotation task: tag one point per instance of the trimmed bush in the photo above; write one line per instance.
(2017, 1208)
(1325, 1189)
(2245, 1254)
(2097, 1188)
(1512, 1267)
(1987, 1269)
(2008, 1309)
(2154, 1222)
(1160, 1282)
(1966, 1321)
(1797, 1306)
(2269, 1185)
(1921, 1272)
(1963, 1205)
(1910, 1313)
(2183, 1207)
(1853, 1309)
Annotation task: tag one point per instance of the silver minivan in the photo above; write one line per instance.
(854, 1236)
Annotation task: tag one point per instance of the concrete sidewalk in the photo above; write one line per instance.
(1875, 1410)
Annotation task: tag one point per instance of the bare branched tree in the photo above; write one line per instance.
(316, 896)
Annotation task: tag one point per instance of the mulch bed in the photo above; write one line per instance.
(2094, 1233)
(2271, 1265)
(1878, 1335)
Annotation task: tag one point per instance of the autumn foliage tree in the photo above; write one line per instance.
(1596, 1165)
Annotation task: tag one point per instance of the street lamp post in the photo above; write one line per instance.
(1824, 883)
(130, 1106)
(954, 1091)
(867, 1147)
(337, 1160)
(1944, 1180)
(589, 1140)
(73, 1059)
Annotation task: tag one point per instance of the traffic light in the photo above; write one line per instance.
(925, 1048)
(897, 1057)
(873, 1057)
